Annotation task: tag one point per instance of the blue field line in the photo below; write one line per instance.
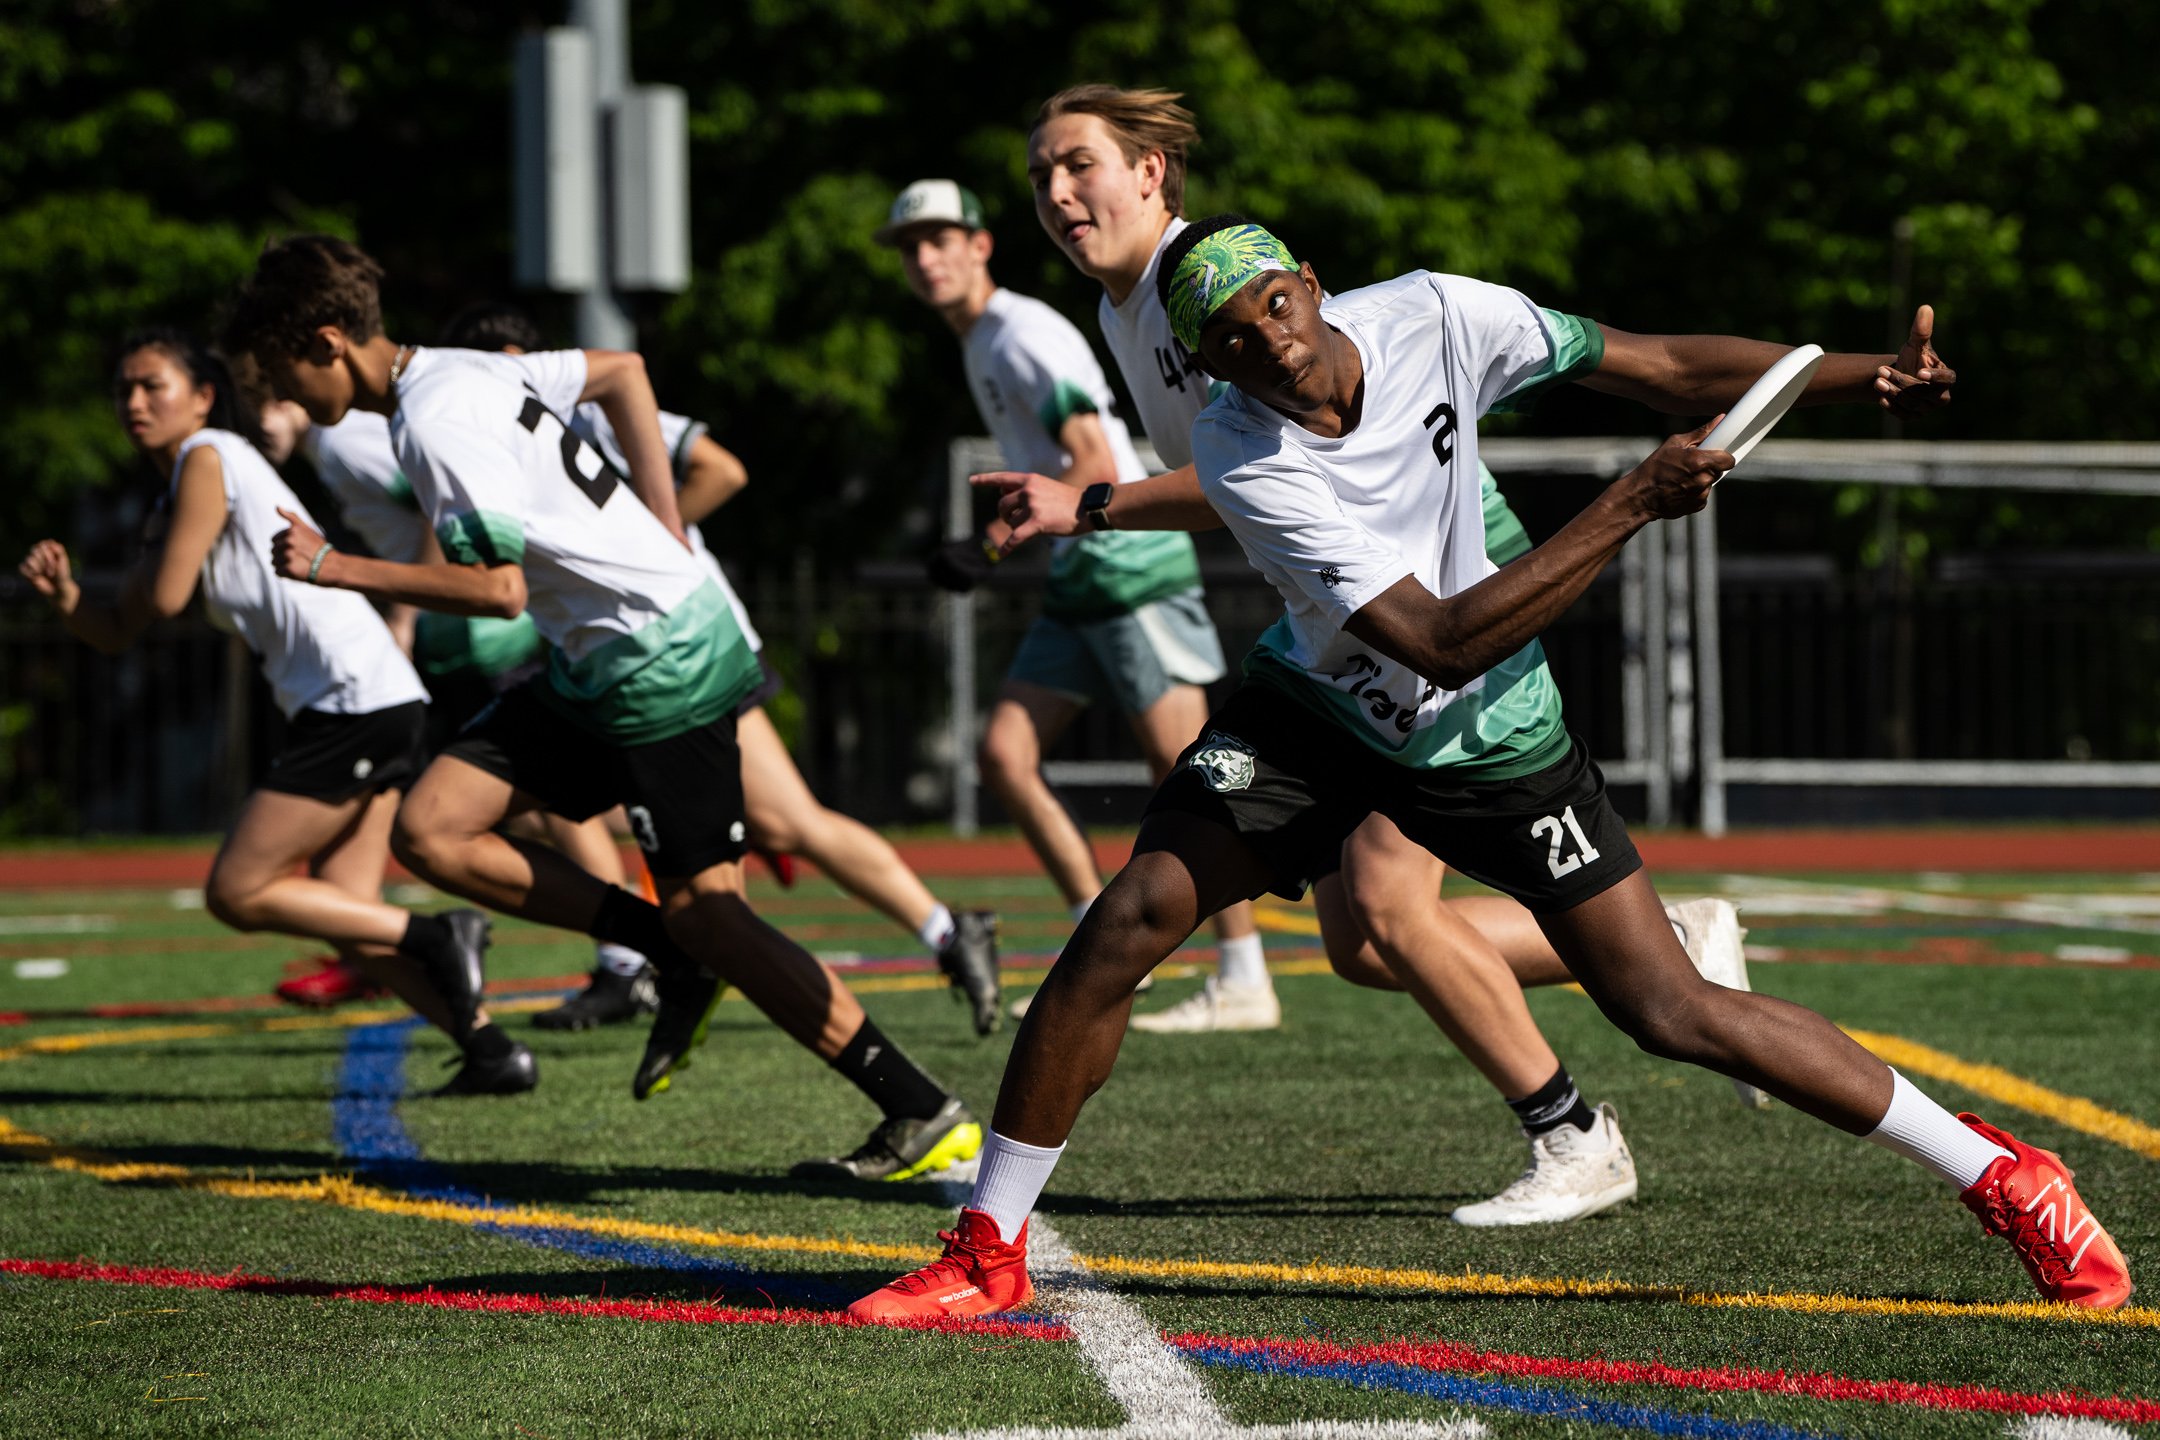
(371, 1135)
(1522, 1399)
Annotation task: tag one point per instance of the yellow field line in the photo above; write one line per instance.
(346, 1193)
(1996, 1083)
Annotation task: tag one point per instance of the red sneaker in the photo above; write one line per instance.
(782, 866)
(979, 1274)
(335, 983)
(2028, 1200)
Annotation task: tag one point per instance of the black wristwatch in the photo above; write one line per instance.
(1095, 504)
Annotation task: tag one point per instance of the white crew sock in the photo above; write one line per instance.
(1079, 911)
(1009, 1179)
(937, 932)
(618, 959)
(1241, 964)
(1925, 1133)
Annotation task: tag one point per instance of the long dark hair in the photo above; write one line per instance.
(204, 366)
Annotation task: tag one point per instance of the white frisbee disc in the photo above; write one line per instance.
(1755, 413)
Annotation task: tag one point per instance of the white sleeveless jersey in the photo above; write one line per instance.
(354, 460)
(320, 649)
(643, 643)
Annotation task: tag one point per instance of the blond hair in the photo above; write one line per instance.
(1142, 121)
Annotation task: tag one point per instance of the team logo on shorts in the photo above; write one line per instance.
(1224, 762)
(362, 768)
(641, 825)
(735, 832)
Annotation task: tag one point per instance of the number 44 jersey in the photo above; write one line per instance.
(1334, 522)
(642, 645)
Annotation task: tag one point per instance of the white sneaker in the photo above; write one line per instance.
(1572, 1173)
(1711, 933)
(1216, 1006)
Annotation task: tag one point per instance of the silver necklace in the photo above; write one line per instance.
(399, 361)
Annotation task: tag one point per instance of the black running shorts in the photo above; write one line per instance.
(768, 688)
(331, 757)
(683, 794)
(1293, 786)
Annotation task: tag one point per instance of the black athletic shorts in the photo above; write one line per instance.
(1293, 786)
(768, 689)
(332, 757)
(683, 794)
(456, 696)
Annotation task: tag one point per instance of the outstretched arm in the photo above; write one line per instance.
(300, 553)
(1695, 374)
(1038, 505)
(616, 381)
(1452, 641)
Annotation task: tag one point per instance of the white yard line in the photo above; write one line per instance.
(1763, 896)
(57, 924)
(1161, 1393)
(2058, 1427)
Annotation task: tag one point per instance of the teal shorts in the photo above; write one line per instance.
(1131, 660)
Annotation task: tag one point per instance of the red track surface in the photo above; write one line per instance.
(2093, 850)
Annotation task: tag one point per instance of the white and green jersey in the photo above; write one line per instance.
(1170, 390)
(1334, 522)
(357, 465)
(1030, 370)
(319, 649)
(642, 644)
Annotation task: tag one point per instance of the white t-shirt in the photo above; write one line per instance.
(559, 384)
(1030, 371)
(1334, 522)
(320, 649)
(1169, 389)
(643, 644)
(354, 460)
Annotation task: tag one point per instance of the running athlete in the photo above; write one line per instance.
(1122, 619)
(352, 704)
(1109, 168)
(645, 667)
(785, 818)
(466, 661)
(1405, 678)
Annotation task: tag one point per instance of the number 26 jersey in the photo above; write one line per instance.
(642, 643)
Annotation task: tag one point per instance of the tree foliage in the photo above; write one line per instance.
(1738, 165)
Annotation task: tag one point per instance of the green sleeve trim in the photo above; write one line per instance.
(1578, 349)
(482, 537)
(400, 490)
(1066, 400)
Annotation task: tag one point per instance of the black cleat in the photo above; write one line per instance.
(512, 1073)
(970, 961)
(607, 999)
(685, 1004)
(461, 976)
(901, 1149)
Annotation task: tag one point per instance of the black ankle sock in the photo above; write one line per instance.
(626, 919)
(488, 1043)
(427, 937)
(1555, 1103)
(879, 1069)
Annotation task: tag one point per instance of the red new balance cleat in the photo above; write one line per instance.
(335, 983)
(979, 1274)
(2028, 1200)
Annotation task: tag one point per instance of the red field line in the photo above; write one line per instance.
(1447, 1356)
(2092, 850)
(1424, 1355)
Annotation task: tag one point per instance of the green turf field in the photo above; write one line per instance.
(217, 1219)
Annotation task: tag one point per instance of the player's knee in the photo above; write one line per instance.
(774, 832)
(1005, 758)
(1676, 1027)
(231, 904)
(418, 848)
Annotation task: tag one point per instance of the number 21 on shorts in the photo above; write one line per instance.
(1558, 829)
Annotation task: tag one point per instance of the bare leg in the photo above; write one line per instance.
(446, 834)
(355, 862)
(252, 887)
(711, 920)
(590, 845)
(786, 819)
(1164, 729)
(1390, 885)
(1025, 721)
(1183, 869)
(1622, 948)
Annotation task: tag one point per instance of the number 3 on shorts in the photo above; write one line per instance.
(1550, 827)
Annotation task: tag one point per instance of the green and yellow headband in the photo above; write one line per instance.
(1216, 269)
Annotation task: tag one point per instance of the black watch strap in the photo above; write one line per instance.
(1095, 504)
